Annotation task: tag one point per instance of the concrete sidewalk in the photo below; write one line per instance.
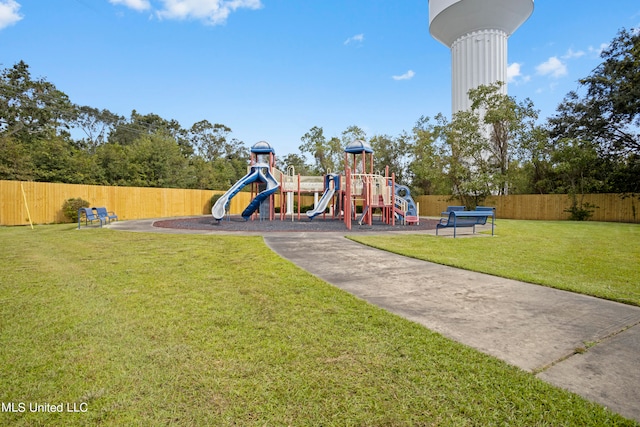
(586, 345)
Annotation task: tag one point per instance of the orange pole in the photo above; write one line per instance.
(369, 200)
(272, 197)
(393, 199)
(299, 199)
(347, 200)
(282, 195)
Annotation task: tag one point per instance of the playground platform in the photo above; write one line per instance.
(583, 344)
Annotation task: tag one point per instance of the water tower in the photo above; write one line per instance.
(477, 33)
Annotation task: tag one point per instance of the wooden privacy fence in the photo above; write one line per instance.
(610, 207)
(44, 202)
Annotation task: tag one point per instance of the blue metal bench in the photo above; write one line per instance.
(105, 215)
(458, 218)
(89, 217)
(487, 208)
(451, 209)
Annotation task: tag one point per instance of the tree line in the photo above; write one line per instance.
(591, 144)
(38, 123)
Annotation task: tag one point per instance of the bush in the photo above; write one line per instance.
(71, 206)
(580, 210)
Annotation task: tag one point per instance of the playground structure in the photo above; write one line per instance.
(260, 171)
(355, 195)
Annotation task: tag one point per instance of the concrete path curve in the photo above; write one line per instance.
(587, 345)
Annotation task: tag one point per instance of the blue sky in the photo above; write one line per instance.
(272, 69)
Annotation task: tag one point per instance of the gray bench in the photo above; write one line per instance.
(458, 218)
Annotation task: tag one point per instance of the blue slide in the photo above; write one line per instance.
(272, 187)
(255, 174)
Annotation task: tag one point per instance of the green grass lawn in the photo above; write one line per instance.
(593, 258)
(154, 329)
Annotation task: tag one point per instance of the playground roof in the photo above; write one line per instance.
(262, 147)
(358, 146)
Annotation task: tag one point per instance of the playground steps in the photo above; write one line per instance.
(408, 219)
(412, 219)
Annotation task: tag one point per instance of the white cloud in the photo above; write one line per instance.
(212, 12)
(597, 51)
(358, 38)
(138, 5)
(572, 55)
(552, 67)
(9, 13)
(406, 76)
(513, 72)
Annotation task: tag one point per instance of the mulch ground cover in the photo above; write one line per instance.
(237, 223)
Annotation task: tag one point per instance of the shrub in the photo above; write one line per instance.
(580, 210)
(71, 206)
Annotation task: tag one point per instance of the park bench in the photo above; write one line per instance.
(89, 217)
(105, 215)
(453, 208)
(458, 218)
(487, 208)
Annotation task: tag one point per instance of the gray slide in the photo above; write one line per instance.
(322, 203)
(220, 207)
